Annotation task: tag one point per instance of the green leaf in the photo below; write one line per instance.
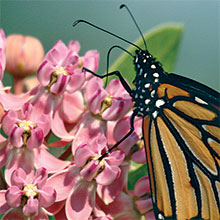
(162, 42)
(136, 174)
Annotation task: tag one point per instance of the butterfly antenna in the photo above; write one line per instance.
(125, 6)
(108, 58)
(101, 29)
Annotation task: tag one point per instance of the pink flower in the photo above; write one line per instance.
(87, 129)
(122, 208)
(144, 202)
(24, 148)
(61, 79)
(134, 144)
(104, 171)
(28, 198)
(25, 128)
(61, 69)
(24, 55)
(2, 53)
(108, 193)
(81, 179)
(90, 60)
(110, 104)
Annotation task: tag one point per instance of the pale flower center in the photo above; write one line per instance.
(59, 70)
(26, 125)
(30, 191)
(80, 64)
(106, 103)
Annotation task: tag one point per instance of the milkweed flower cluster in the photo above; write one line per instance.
(67, 177)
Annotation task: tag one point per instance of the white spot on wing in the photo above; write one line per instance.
(141, 70)
(156, 75)
(147, 85)
(160, 216)
(197, 99)
(147, 101)
(152, 93)
(155, 113)
(153, 66)
(159, 102)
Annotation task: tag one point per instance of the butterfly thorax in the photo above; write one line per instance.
(148, 77)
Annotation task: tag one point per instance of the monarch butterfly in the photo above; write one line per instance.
(181, 129)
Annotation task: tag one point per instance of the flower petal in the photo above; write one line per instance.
(44, 123)
(40, 177)
(76, 81)
(139, 156)
(20, 158)
(110, 192)
(58, 127)
(144, 205)
(60, 85)
(80, 203)
(115, 158)
(15, 213)
(31, 208)
(44, 73)
(142, 186)
(8, 121)
(5, 149)
(118, 109)
(150, 216)
(91, 61)
(15, 137)
(108, 175)
(72, 107)
(87, 129)
(90, 170)
(13, 102)
(4, 207)
(82, 154)
(36, 138)
(18, 178)
(57, 53)
(74, 46)
(63, 182)
(47, 196)
(94, 94)
(13, 196)
(47, 160)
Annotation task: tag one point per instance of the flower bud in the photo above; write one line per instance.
(23, 55)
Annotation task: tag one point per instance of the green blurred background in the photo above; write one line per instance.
(50, 21)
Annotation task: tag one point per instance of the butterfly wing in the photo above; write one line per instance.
(183, 151)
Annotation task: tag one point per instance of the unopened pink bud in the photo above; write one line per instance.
(23, 55)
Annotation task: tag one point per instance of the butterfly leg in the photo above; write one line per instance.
(117, 73)
(123, 138)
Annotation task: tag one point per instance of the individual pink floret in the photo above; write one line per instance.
(105, 171)
(110, 103)
(28, 198)
(25, 128)
(144, 203)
